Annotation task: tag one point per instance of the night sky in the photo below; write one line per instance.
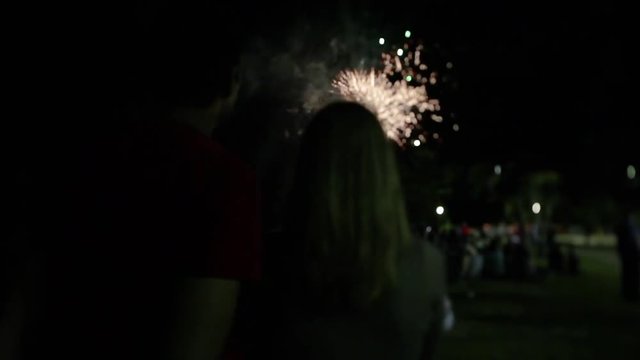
(542, 85)
(540, 82)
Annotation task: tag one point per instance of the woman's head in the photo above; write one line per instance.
(348, 210)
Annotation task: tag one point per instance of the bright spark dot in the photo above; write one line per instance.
(381, 41)
(407, 34)
(416, 143)
(436, 118)
(440, 210)
(536, 207)
(631, 172)
(449, 65)
(400, 52)
(497, 169)
(456, 127)
(409, 78)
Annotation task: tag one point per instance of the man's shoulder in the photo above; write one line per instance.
(204, 149)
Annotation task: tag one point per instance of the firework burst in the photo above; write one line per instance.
(396, 92)
(397, 104)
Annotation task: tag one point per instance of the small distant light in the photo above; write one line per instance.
(436, 136)
(536, 207)
(400, 52)
(440, 210)
(407, 34)
(631, 172)
(381, 41)
(449, 65)
(497, 169)
(456, 127)
(409, 78)
(429, 229)
(416, 143)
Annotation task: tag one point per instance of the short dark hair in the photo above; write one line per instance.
(174, 53)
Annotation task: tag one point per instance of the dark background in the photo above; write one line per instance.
(541, 86)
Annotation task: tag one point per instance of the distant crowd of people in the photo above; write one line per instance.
(517, 251)
(513, 251)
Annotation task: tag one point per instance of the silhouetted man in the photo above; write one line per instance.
(156, 224)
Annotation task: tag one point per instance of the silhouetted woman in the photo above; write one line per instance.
(351, 283)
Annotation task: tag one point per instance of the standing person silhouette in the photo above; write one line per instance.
(156, 224)
(348, 281)
(629, 252)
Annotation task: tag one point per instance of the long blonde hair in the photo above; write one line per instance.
(347, 218)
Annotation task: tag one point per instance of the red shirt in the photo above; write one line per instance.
(193, 201)
(225, 190)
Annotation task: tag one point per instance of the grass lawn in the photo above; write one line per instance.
(560, 317)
